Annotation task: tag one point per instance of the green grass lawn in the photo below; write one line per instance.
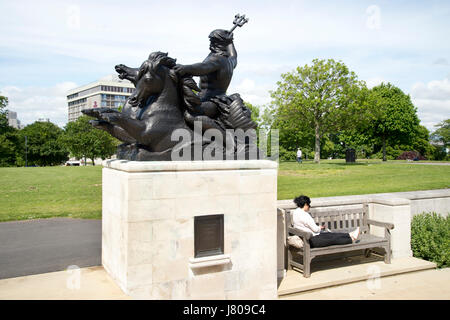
(31, 193)
(43, 192)
(336, 178)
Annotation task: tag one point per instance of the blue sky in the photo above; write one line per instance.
(49, 47)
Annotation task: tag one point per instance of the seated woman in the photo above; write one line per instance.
(302, 220)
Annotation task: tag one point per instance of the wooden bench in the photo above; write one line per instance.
(337, 220)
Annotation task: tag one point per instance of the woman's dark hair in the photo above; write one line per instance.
(300, 201)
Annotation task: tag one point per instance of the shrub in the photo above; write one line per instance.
(410, 155)
(287, 155)
(430, 238)
(378, 155)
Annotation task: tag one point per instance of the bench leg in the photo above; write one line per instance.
(289, 266)
(387, 255)
(306, 263)
(307, 268)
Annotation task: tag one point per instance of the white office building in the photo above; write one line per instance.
(109, 91)
(12, 120)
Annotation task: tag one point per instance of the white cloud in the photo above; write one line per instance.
(32, 103)
(432, 100)
(252, 92)
(441, 61)
(373, 82)
(247, 85)
(385, 41)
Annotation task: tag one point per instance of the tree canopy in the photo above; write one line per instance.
(316, 100)
(394, 120)
(10, 142)
(3, 115)
(83, 140)
(442, 133)
(43, 144)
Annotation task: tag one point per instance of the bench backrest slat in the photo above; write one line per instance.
(337, 220)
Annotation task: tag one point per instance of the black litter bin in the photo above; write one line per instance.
(350, 155)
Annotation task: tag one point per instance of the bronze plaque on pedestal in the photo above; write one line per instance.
(208, 235)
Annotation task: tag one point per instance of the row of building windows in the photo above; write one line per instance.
(113, 97)
(115, 104)
(72, 103)
(100, 88)
(84, 92)
(117, 89)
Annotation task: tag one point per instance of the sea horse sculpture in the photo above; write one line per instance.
(167, 98)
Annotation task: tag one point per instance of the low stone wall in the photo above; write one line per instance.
(397, 208)
(421, 201)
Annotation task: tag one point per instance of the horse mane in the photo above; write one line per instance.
(187, 87)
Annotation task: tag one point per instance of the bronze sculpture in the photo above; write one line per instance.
(167, 98)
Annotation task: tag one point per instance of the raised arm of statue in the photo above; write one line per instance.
(233, 54)
(198, 69)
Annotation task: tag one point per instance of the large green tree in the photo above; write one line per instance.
(83, 140)
(442, 133)
(44, 147)
(441, 139)
(394, 117)
(4, 127)
(10, 142)
(321, 98)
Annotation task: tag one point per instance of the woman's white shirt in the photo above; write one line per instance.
(303, 221)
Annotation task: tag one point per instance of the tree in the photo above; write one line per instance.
(441, 140)
(44, 145)
(442, 133)
(323, 97)
(10, 143)
(394, 120)
(4, 126)
(83, 140)
(255, 112)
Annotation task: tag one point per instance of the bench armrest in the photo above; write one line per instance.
(380, 224)
(305, 235)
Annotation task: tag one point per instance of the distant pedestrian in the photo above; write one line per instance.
(299, 155)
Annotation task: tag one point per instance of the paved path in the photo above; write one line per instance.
(421, 285)
(92, 283)
(430, 163)
(47, 245)
(95, 283)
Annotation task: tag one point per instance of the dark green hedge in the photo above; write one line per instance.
(430, 238)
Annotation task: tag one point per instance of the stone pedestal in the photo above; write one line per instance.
(148, 228)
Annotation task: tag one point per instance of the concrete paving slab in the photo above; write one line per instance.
(347, 270)
(422, 285)
(95, 284)
(91, 283)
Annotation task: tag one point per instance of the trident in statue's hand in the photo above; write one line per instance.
(239, 21)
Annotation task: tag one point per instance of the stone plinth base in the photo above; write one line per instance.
(148, 228)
